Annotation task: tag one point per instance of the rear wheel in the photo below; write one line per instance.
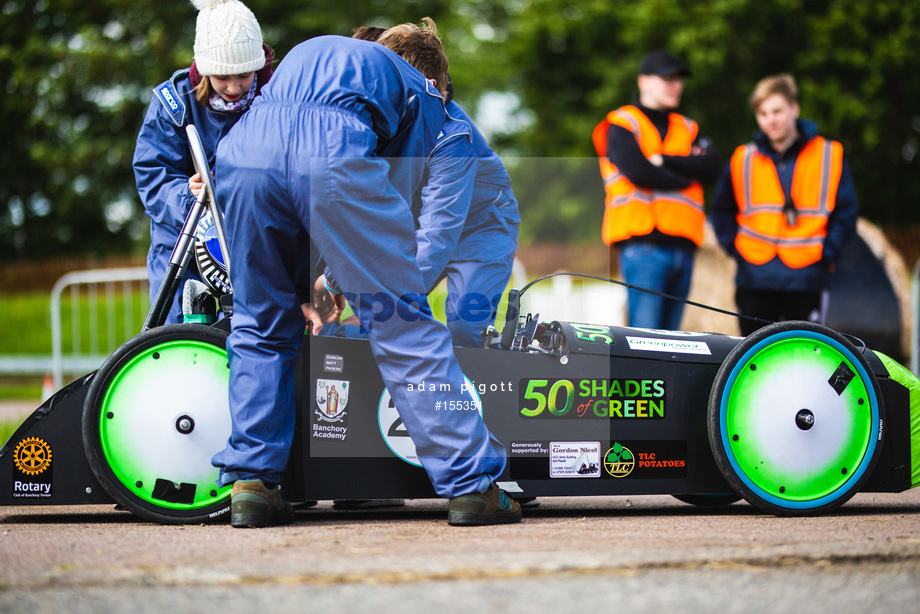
(795, 419)
(156, 412)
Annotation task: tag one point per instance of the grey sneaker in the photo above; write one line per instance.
(254, 505)
(491, 507)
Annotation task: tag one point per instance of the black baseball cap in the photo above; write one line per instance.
(663, 64)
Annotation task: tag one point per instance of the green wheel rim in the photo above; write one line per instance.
(771, 393)
(163, 415)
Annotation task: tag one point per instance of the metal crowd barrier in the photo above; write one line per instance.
(112, 324)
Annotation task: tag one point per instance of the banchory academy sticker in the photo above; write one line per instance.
(330, 416)
(575, 459)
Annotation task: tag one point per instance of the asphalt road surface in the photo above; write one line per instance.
(586, 554)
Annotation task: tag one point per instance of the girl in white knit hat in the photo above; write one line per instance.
(230, 67)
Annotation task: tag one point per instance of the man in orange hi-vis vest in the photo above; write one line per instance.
(784, 209)
(653, 161)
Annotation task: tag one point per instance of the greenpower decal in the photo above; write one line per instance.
(631, 399)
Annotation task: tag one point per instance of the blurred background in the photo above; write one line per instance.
(537, 75)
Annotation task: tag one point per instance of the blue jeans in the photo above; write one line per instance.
(661, 268)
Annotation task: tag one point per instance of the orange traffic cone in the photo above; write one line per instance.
(47, 387)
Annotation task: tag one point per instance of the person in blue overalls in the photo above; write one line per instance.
(231, 66)
(480, 267)
(466, 213)
(329, 155)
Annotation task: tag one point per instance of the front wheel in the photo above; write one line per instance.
(795, 419)
(156, 412)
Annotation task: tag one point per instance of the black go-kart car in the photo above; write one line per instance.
(795, 419)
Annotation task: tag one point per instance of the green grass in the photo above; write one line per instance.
(27, 329)
(21, 388)
(28, 321)
(27, 318)
(7, 429)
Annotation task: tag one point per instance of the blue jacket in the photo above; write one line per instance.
(493, 204)
(441, 207)
(163, 163)
(466, 209)
(162, 160)
(367, 90)
(775, 275)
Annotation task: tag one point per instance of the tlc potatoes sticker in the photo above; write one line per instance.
(612, 460)
(646, 459)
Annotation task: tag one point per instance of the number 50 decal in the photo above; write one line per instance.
(562, 389)
(593, 332)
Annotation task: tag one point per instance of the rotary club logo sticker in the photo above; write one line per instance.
(32, 456)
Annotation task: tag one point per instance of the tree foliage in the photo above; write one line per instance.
(77, 76)
(853, 61)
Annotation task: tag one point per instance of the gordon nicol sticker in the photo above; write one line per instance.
(673, 346)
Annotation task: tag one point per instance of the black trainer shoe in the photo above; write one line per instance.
(491, 507)
(254, 505)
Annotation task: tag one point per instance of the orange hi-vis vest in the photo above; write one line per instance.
(633, 211)
(763, 230)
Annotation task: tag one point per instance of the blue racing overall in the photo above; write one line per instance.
(480, 266)
(332, 151)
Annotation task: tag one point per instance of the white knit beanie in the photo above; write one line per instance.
(228, 40)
